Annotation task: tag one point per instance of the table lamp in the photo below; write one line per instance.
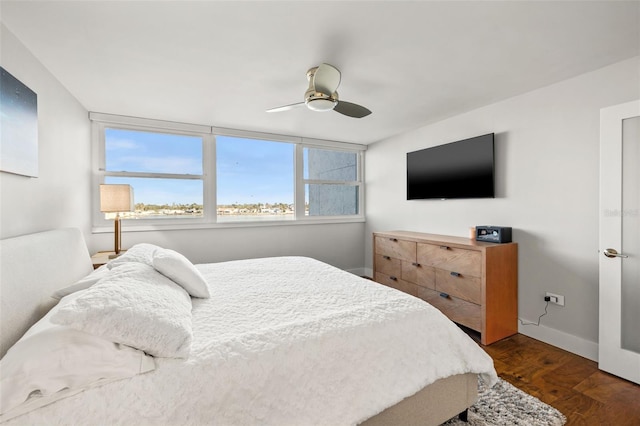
(116, 199)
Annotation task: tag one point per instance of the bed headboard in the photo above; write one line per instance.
(32, 267)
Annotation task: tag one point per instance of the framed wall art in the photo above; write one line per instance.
(18, 127)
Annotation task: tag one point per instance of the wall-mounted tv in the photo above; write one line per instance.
(462, 169)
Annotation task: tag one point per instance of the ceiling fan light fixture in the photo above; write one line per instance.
(321, 104)
(322, 94)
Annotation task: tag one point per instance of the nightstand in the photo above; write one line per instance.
(102, 257)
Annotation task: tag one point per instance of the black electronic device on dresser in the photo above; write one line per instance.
(493, 234)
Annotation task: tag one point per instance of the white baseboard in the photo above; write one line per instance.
(577, 345)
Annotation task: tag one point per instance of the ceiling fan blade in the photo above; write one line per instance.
(351, 110)
(286, 107)
(326, 79)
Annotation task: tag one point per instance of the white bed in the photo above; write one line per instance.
(282, 341)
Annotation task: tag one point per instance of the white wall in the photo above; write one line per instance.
(340, 245)
(60, 196)
(547, 144)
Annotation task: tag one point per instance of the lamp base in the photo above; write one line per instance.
(117, 237)
(114, 255)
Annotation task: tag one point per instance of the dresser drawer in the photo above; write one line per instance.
(459, 285)
(467, 262)
(397, 283)
(458, 310)
(393, 247)
(416, 273)
(388, 265)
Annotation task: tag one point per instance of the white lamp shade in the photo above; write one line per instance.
(116, 198)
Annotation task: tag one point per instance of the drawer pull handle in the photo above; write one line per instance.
(393, 239)
(416, 264)
(444, 247)
(386, 257)
(456, 274)
(445, 295)
(392, 278)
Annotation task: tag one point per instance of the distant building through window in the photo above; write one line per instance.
(332, 183)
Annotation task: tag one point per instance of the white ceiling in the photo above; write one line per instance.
(224, 63)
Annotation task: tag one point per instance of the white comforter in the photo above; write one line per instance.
(285, 341)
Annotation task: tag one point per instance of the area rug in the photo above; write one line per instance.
(504, 404)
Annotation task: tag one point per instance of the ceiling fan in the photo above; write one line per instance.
(322, 95)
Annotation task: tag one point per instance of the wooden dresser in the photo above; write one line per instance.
(474, 283)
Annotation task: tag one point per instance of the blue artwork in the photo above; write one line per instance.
(18, 127)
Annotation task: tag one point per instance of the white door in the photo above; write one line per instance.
(619, 341)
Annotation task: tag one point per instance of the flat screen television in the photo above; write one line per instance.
(462, 169)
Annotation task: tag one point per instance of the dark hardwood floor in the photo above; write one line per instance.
(568, 382)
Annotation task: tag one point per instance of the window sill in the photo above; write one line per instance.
(147, 227)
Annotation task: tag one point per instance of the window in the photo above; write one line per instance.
(332, 182)
(197, 176)
(165, 171)
(255, 179)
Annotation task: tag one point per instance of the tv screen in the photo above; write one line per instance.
(462, 169)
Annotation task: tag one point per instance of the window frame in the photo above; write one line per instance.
(101, 121)
(302, 182)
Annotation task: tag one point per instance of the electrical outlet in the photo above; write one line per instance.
(555, 298)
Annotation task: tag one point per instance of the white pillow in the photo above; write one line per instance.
(82, 284)
(142, 253)
(51, 362)
(134, 305)
(175, 266)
